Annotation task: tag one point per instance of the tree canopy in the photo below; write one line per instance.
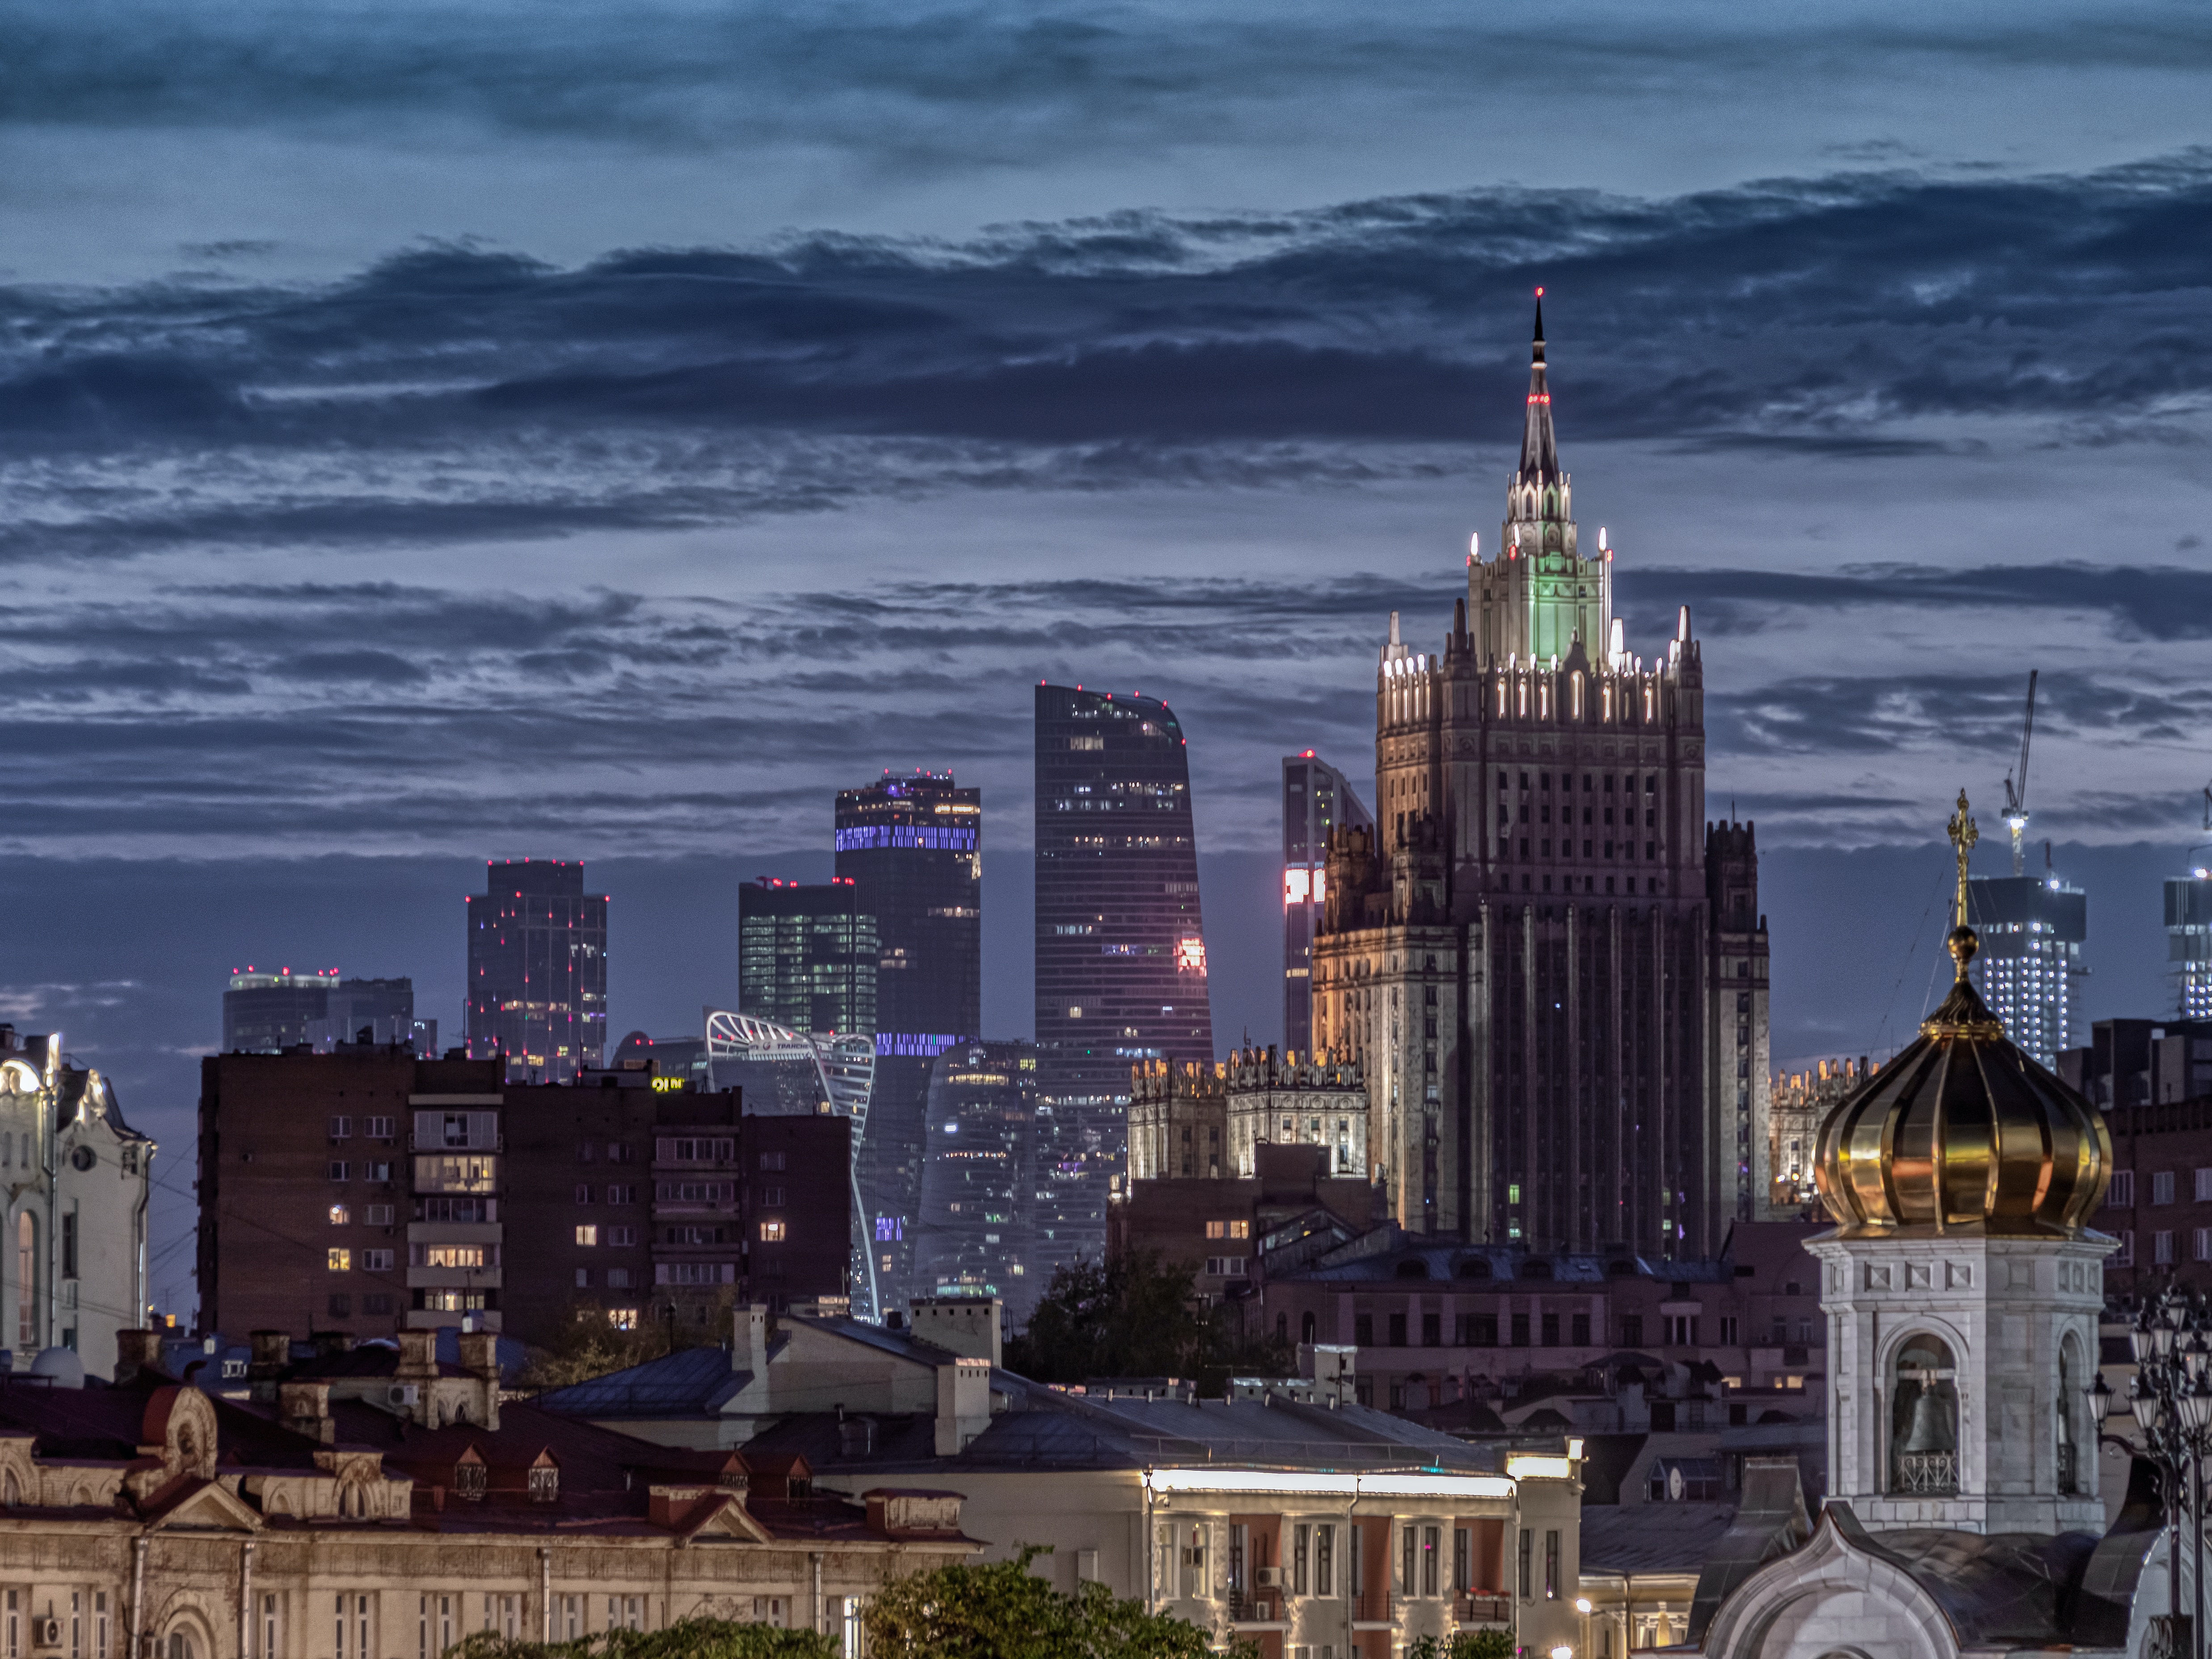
(1004, 1611)
(1134, 1315)
(688, 1638)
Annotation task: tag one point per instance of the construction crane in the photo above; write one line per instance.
(2015, 807)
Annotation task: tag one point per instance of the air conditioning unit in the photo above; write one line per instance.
(403, 1393)
(1267, 1577)
(47, 1633)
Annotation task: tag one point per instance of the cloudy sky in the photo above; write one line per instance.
(429, 433)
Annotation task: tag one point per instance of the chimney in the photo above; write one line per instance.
(749, 1340)
(418, 1356)
(136, 1351)
(480, 1359)
(963, 1403)
(272, 1358)
(305, 1408)
(967, 1325)
(1330, 1367)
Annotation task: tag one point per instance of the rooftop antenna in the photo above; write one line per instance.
(2015, 807)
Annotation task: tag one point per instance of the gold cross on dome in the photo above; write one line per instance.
(1963, 834)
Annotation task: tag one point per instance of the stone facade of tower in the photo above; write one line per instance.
(1552, 969)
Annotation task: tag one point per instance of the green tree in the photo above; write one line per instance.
(688, 1639)
(589, 1345)
(1466, 1644)
(1134, 1315)
(1004, 1611)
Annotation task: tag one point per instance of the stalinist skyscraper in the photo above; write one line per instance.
(1553, 967)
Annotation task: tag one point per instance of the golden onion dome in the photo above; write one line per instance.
(1962, 1133)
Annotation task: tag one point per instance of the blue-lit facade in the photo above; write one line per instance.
(911, 846)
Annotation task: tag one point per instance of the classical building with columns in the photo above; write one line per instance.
(1550, 966)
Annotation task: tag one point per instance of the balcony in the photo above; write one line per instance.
(1928, 1474)
(1372, 1612)
(1254, 1607)
(1482, 1608)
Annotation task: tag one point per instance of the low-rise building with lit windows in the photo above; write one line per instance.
(1284, 1514)
(372, 1502)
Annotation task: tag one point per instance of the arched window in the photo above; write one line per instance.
(1924, 1419)
(26, 1283)
(11, 1493)
(2073, 1467)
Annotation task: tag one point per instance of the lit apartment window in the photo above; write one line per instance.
(771, 1232)
(341, 1262)
(340, 1216)
(587, 1235)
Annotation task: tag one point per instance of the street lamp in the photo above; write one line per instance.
(2171, 1398)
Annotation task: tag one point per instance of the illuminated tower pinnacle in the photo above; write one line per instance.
(1538, 595)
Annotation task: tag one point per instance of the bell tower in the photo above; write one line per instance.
(1961, 1285)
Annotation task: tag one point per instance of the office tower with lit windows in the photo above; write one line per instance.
(537, 969)
(2031, 928)
(265, 1013)
(806, 957)
(2189, 941)
(1317, 798)
(912, 846)
(977, 1205)
(1549, 964)
(1120, 942)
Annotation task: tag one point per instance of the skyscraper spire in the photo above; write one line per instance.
(1539, 450)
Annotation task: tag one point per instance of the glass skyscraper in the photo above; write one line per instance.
(978, 1209)
(537, 969)
(1316, 799)
(2031, 928)
(912, 846)
(2189, 941)
(806, 957)
(1121, 943)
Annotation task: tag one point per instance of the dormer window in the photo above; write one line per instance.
(545, 1484)
(469, 1480)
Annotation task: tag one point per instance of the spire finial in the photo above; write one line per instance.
(1964, 834)
(1539, 316)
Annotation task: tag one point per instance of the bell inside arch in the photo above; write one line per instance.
(1930, 1430)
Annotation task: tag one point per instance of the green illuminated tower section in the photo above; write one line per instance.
(1540, 595)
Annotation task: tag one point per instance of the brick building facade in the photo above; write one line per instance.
(366, 1191)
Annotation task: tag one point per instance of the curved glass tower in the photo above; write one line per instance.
(1120, 945)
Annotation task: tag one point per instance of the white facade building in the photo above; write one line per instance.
(77, 1179)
